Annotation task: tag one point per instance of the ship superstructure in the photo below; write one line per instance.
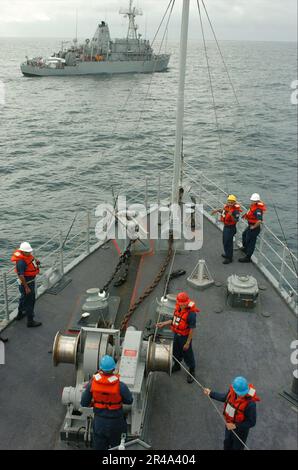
(101, 54)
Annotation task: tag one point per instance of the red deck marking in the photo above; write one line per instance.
(117, 247)
(130, 352)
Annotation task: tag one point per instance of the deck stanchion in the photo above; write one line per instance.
(61, 254)
(88, 232)
(5, 295)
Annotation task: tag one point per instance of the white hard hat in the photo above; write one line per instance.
(26, 247)
(255, 197)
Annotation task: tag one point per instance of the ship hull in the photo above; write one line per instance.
(97, 68)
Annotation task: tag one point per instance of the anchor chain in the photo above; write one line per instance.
(124, 257)
(149, 289)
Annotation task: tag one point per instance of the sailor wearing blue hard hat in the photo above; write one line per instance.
(239, 411)
(107, 394)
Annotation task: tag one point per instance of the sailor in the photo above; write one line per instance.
(27, 268)
(106, 393)
(182, 325)
(230, 214)
(239, 411)
(254, 217)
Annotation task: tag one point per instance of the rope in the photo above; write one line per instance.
(211, 401)
(245, 124)
(213, 97)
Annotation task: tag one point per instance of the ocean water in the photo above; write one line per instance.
(65, 141)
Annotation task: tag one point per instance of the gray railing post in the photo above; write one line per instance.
(158, 191)
(200, 187)
(61, 254)
(88, 232)
(146, 193)
(5, 294)
(261, 246)
(282, 268)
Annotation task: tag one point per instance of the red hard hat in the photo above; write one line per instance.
(182, 298)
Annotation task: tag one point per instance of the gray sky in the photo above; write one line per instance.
(269, 20)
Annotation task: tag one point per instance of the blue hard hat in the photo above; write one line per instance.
(107, 364)
(240, 386)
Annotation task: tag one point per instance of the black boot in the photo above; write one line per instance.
(227, 261)
(33, 323)
(246, 259)
(176, 367)
(190, 378)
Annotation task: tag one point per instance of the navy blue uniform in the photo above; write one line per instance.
(108, 425)
(242, 429)
(179, 342)
(228, 234)
(249, 236)
(26, 302)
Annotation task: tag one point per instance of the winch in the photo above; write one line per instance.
(243, 291)
(135, 358)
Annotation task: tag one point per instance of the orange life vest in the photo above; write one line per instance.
(227, 214)
(235, 406)
(250, 215)
(179, 323)
(31, 266)
(105, 389)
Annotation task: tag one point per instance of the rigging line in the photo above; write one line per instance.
(244, 120)
(165, 290)
(283, 234)
(213, 97)
(160, 24)
(155, 65)
(151, 78)
(223, 59)
(210, 399)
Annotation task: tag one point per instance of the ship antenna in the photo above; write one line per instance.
(177, 179)
(131, 13)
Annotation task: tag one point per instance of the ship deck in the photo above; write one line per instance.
(254, 343)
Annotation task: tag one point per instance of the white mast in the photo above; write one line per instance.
(131, 13)
(180, 104)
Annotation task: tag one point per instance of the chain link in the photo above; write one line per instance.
(122, 260)
(149, 289)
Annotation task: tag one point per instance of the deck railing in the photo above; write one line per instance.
(272, 256)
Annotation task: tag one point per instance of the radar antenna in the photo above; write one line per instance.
(131, 13)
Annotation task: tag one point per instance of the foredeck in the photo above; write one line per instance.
(255, 344)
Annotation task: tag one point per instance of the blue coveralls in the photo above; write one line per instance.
(228, 234)
(108, 425)
(179, 342)
(249, 236)
(26, 302)
(242, 429)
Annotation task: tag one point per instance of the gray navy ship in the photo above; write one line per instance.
(101, 55)
(105, 295)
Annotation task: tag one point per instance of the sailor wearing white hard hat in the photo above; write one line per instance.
(254, 217)
(27, 268)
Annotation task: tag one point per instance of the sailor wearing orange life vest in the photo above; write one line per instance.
(230, 214)
(182, 325)
(107, 394)
(27, 268)
(239, 411)
(254, 217)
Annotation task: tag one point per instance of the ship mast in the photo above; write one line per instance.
(177, 179)
(131, 13)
